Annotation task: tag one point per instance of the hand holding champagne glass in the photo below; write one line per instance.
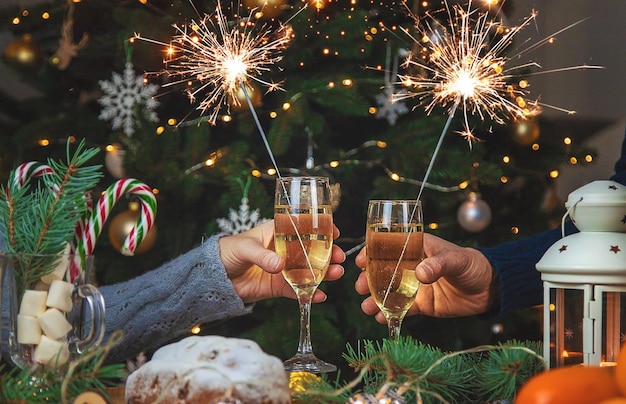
(394, 246)
(304, 238)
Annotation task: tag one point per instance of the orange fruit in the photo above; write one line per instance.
(614, 400)
(572, 385)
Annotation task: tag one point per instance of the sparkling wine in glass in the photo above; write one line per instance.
(394, 246)
(304, 238)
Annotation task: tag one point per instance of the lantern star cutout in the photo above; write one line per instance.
(615, 249)
(563, 248)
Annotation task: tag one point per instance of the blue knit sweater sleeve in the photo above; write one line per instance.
(514, 262)
(163, 304)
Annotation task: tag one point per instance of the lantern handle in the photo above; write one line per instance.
(566, 215)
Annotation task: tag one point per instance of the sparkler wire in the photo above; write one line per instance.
(426, 175)
(271, 155)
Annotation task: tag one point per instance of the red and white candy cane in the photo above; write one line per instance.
(34, 169)
(93, 226)
(26, 171)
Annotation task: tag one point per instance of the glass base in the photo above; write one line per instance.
(308, 363)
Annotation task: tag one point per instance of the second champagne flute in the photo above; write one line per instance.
(304, 238)
(394, 241)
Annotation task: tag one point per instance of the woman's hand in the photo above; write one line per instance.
(255, 269)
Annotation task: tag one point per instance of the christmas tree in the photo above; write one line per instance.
(80, 72)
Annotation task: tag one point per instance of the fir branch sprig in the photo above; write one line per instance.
(40, 216)
(422, 373)
(86, 373)
(506, 368)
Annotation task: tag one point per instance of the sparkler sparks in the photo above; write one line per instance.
(467, 67)
(215, 58)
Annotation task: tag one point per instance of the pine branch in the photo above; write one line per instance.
(40, 215)
(421, 372)
(87, 373)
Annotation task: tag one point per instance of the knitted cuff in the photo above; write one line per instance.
(519, 282)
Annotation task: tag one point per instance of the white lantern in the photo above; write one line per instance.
(584, 278)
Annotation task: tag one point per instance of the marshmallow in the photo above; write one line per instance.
(28, 330)
(60, 295)
(52, 352)
(33, 302)
(61, 269)
(53, 324)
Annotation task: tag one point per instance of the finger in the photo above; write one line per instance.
(268, 260)
(334, 272)
(430, 269)
(338, 256)
(369, 306)
(361, 284)
(319, 296)
(335, 232)
(380, 317)
(360, 259)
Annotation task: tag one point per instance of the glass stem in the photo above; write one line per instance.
(394, 324)
(304, 345)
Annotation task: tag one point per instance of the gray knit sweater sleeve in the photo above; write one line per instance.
(165, 303)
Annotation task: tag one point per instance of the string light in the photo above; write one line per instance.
(209, 162)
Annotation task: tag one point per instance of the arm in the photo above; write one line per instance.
(165, 303)
(211, 282)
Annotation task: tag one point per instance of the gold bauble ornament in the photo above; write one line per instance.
(122, 224)
(241, 103)
(525, 131)
(268, 8)
(23, 52)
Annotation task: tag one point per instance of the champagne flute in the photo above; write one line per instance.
(304, 238)
(394, 246)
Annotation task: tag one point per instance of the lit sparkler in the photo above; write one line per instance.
(467, 67)
(215, 58)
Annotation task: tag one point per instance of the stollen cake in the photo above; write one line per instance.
(209, 369)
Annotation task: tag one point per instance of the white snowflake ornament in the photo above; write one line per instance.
(240, 221)
(388, 105)
(124, 95)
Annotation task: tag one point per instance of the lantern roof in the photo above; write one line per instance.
(598, 206)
